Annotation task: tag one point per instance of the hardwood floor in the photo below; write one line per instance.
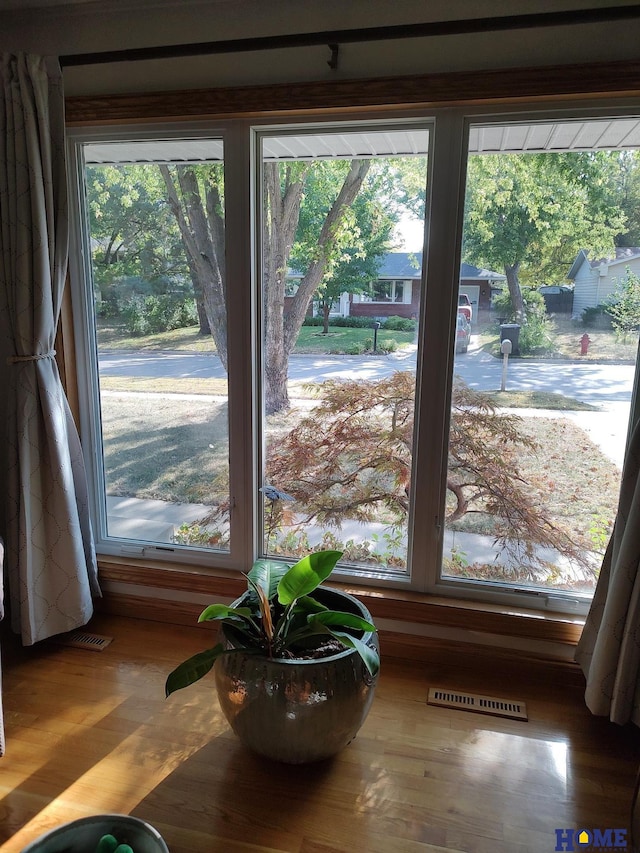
(90, 732)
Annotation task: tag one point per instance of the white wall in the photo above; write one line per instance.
(592, 289)
(96, 26)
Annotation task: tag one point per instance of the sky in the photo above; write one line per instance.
(411, 233)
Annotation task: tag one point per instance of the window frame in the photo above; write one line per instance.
(452, 123)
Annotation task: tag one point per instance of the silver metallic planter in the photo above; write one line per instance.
(297, 711)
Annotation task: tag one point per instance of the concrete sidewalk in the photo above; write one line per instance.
(157, 522)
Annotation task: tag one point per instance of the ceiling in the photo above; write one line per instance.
(593, 135)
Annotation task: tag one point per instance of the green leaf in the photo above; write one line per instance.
(369, 656)
(222, 611)
(344, 620)
(309, 605)
(306, 575)
(267, 574)
(192, 669)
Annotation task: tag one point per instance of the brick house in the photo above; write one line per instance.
(396, 291)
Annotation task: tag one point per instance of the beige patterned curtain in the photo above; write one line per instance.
(609, 648)
(50, 559)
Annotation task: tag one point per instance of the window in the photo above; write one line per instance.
(156, 341)
(535, 462)
(320, 413)
(383, 290)
(311, 414)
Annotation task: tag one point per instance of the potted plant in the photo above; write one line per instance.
(295, 672)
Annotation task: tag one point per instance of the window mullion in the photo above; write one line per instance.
(238, 160)
(440, 278)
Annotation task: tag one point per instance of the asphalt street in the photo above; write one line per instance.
(588, 381)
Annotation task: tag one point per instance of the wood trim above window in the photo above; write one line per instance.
(506, 85)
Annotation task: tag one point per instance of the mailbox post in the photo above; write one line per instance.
(505, 349)
(376, 326)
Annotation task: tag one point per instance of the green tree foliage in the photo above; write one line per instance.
(363, 236)
(625, 189)
(350, 458)
(623, 305)
(529, 214)
(136, 248)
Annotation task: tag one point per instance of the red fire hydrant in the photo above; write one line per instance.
(585, 340)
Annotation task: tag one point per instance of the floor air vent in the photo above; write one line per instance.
(83, 640)
(480, 704)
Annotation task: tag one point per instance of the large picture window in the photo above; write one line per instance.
(410, 340)
(386, 290)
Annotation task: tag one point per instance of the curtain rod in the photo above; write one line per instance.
(333, 38)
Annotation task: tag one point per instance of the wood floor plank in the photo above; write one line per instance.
(90, 732)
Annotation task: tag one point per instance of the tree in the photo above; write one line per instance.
(625, 189)
(529, 214)
(623, 305)
(134, 237)
(364, 236)
(351, 458)
(331, 219)
(196, 199)
(284, 186)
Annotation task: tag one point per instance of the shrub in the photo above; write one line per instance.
(353, 322)
(623, 305)
(595, 316)
(400, 324)
(387, 346)
(147, 315)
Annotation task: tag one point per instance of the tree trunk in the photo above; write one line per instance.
(203, 321)
(515, 291)
(282, 211)
(202, 248)
(326, 310)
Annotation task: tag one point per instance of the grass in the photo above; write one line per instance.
(164, 385)
(604, 346)
(341, 339)
(570, 476)
(165, 448)
(113, 336)
(537, 400)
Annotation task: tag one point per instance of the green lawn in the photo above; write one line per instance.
(112, 336)
(341, 339)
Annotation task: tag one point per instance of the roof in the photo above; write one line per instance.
(409, 265)
(401, 265)
(622, 255)
(468, 271)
